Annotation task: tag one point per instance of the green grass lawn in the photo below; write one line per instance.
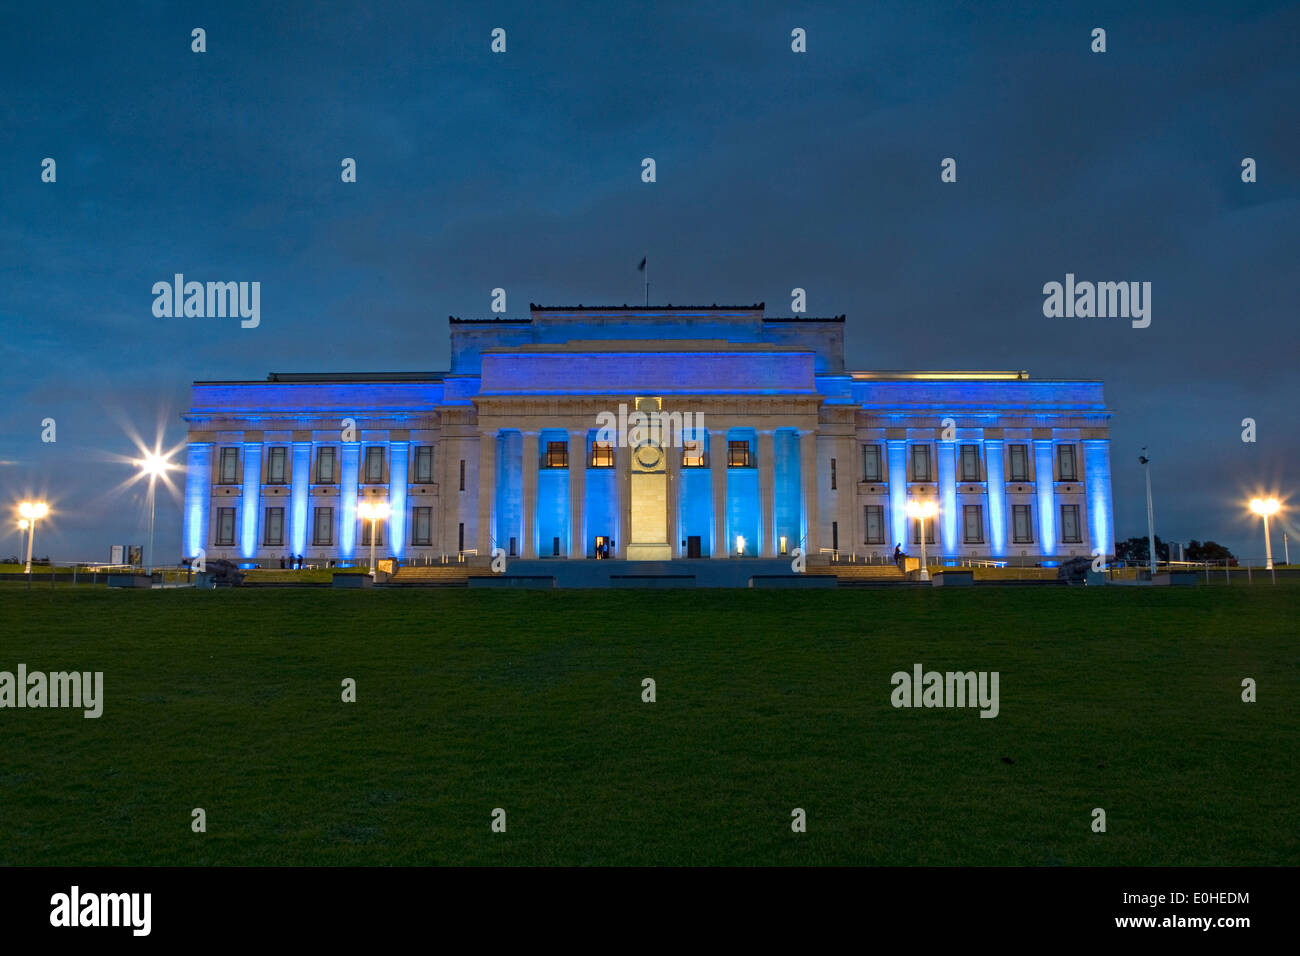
(1122, 698)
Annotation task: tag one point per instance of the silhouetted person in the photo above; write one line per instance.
(898, 553)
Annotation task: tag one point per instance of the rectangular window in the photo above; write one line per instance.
(832, 474)
(424, 465)
(916, 531)
(374, 464)
(970, 463)
(871, 464)
(460, 537)
(1065, 463)
(229, 474)
(1070, 532)
(462, 474)
(693, 453)
(873, 520)
(323, 527)
(365, 532)
(275, 465)
(738, 454)
(274, 533)
(225, 527)
(325, 467)
(602, 454)
(973, 522)
(422, 526)
(1022, 526)
(1019, 455)
(921, 464)
(557, 454)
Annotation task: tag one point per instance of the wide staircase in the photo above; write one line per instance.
(864, 574)
(431, 576)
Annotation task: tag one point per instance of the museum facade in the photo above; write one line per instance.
(655, 433)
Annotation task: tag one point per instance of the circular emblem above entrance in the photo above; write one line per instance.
(648, 455)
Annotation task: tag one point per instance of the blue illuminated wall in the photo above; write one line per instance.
(697, 508)
(788, 508)
(553, 497)
(898, 493)
(997, 498)
(299, 496)
(601, 507)
(251, 502)
(1096, 465)
(398, 452)
(198, 490)
(742, 495)
(350, 457)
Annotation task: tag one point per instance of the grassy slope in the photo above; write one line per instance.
(1127, 699)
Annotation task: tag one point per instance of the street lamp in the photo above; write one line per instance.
(155, 466)
(31, 511)
(1265, 507)
(1151, 521)
(374, 513)
(920, 510)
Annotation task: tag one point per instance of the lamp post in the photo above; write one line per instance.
(374, 513)
(1151, 521)
(154, 466)
(1265, 507)
(31, 511)
(920, 510)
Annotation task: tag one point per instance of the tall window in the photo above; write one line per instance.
(422, 526)
(1065, 464)
(1022, 527)
(325, 472)
(973, 524)
(871, 464)
(916, 531)
(374, 463)
(275, 466)
(365, 532)
(832, 474)
(557, 454)
(424, 464)
(226, 526)
(921, 464)
(229, 474)
(1019, 455)
(738, 454)
(873, 520)
(323, 527)
(602, 454)
(462, 474)
(970, 463)
(1070, 531)
(693, 453)
(274, 533)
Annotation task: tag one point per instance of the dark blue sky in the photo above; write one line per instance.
(775, 170)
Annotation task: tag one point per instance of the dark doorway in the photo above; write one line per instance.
(693, 546)
(555, 547)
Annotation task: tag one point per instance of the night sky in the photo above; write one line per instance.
(523, 170)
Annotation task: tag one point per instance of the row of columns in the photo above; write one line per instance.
(722, 545)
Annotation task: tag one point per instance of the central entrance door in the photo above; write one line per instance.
(648, 477)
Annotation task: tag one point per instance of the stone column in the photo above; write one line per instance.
(529, 505)
(1096, 476)
(947, 537)
(1045, 484)
(487, 493)
(673, 473)
(808, 479)
(623, 486)
(252, 501)
(718, 482)
(577, 492)
(766, 495)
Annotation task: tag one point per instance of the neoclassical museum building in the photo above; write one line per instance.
(656, 433)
